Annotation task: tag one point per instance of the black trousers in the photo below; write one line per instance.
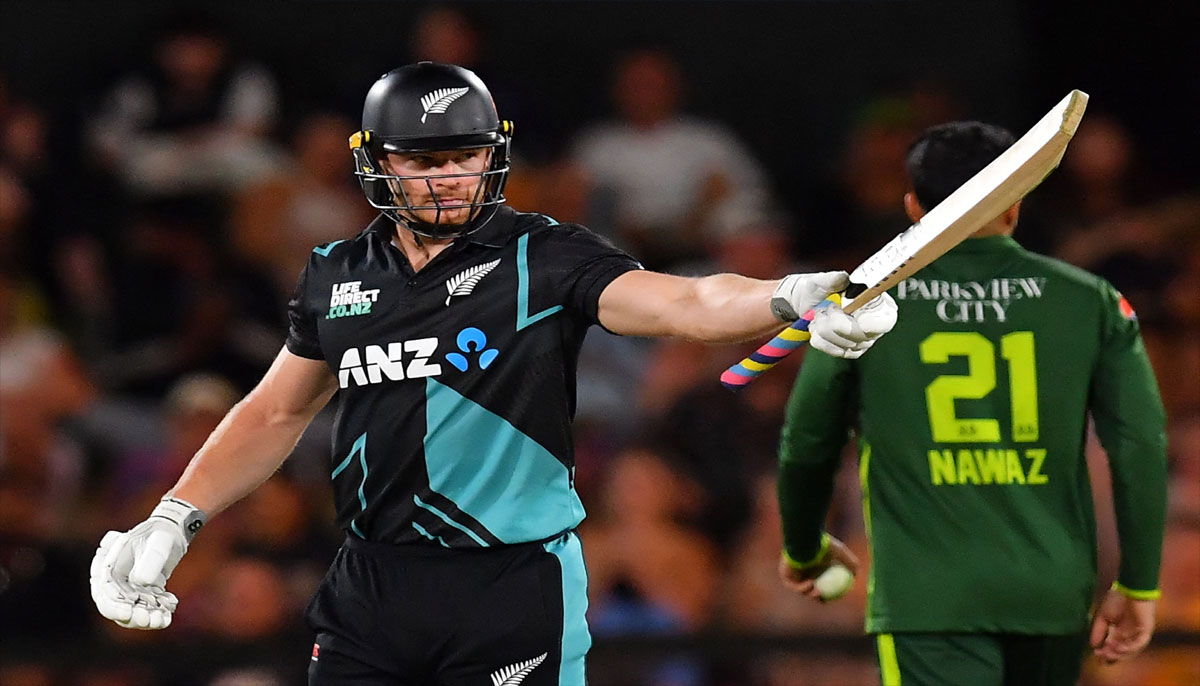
(421, 615)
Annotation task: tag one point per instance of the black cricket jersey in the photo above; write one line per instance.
(457, 382)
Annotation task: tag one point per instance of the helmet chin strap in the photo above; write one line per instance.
(418, 237)
(408, 222)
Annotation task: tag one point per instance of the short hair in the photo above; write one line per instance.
(946, 156)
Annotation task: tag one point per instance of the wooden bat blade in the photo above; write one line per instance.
(984, 196)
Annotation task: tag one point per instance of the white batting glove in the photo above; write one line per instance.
(799, 293)
(130, 570)
(839, 334)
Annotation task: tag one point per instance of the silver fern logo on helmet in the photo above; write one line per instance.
(436, 102)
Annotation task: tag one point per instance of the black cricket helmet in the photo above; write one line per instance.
(430, 107)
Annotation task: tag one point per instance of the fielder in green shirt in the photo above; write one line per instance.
(971, 419)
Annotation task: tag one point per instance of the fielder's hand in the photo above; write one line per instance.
(130, 570)
(832, 331)
(799, 577)
(1122, 626)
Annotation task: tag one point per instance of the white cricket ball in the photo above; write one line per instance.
(833, 583)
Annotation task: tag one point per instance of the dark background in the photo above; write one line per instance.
(788, 77)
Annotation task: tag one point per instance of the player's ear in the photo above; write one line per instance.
(913, 208)
(1011, 214)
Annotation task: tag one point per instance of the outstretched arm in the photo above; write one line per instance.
(727, 308)
(723, 308)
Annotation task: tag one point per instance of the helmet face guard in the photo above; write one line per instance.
(386, 191)
(426, 108)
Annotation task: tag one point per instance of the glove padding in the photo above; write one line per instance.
(799, 293)
(836, 333)
(130, 570)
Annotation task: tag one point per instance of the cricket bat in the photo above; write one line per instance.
(1004, 181)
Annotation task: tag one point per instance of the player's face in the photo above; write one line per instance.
(448, 179)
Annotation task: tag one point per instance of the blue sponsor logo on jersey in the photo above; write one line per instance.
(472, 342)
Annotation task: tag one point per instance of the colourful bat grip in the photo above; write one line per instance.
(771, 353)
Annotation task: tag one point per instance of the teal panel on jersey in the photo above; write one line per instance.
(504, 479)
(576, 640)
(324, 250)
(524, 319)
(445, 518)
(359, 448)
(421, 530)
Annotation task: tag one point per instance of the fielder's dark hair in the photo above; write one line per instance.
(945, 156)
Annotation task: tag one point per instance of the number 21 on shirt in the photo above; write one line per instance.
(1017, 350)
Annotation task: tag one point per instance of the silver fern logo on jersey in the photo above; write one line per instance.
(436, 102)
(513, 675)
(463, 283)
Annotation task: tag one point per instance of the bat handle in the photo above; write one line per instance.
(771, 353)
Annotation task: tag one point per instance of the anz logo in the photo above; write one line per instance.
(411, 359)
(376, 363)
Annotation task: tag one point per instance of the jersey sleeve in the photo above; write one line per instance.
(302, 337)
(583, 265)
(1131, 423)
(816, 425)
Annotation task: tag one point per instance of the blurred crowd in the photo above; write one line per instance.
(146, 257)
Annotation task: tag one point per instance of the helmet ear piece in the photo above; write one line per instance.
(367, 170)
(359, 147)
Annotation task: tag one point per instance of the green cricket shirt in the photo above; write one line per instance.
(971, 418)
